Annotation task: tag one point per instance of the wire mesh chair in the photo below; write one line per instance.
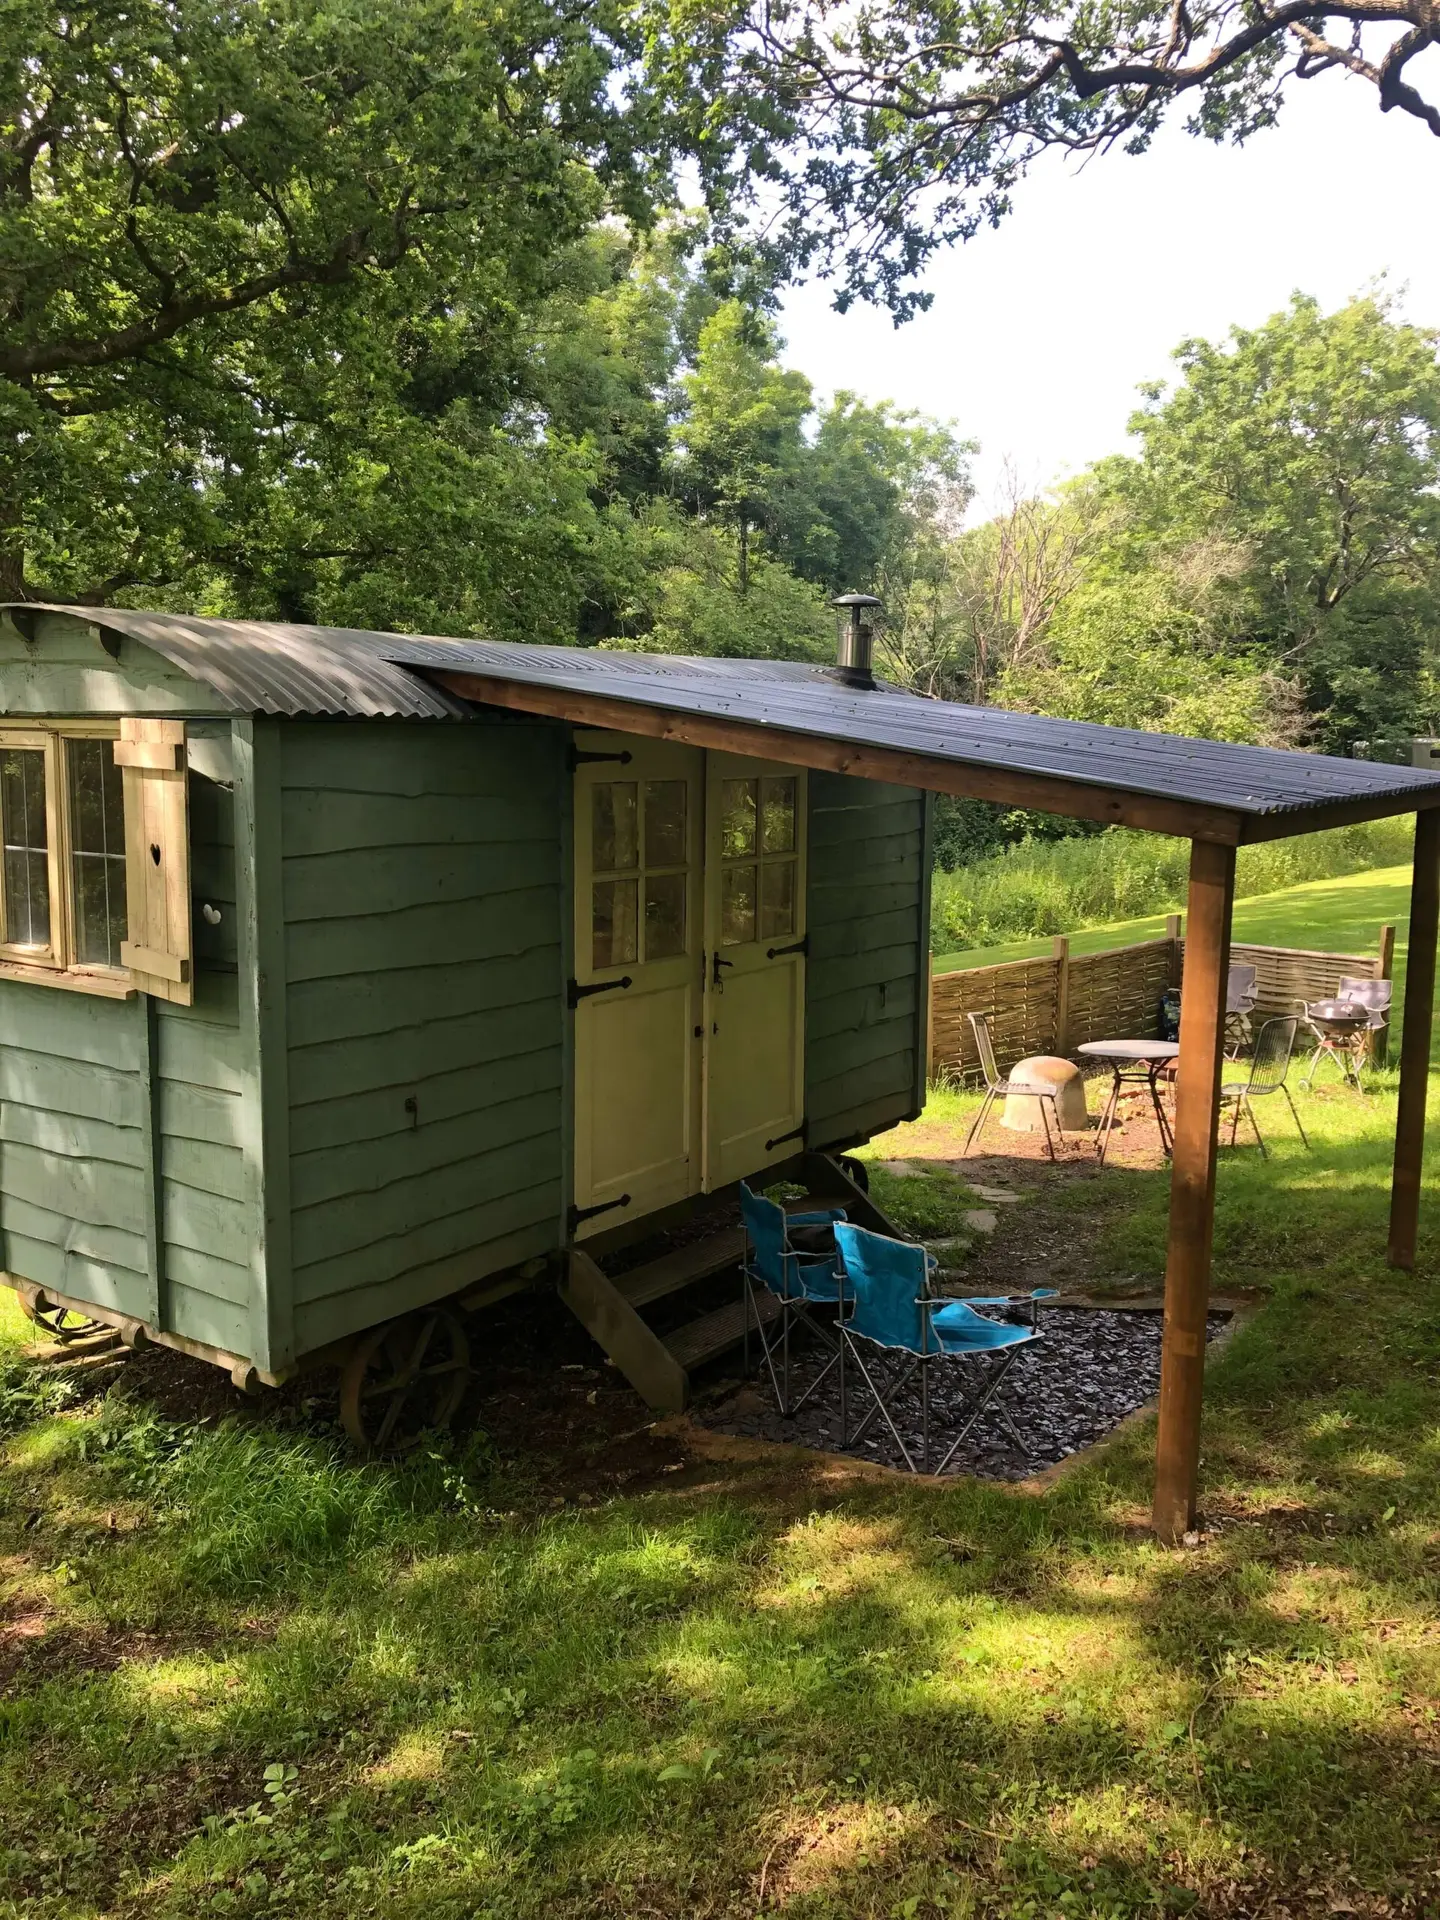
(1241, 992)
(1268, 1069)
(895, 1329)
(798, 1277)
(997, 1087)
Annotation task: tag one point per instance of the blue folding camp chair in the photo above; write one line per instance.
(798, 1277)
(892, 1309)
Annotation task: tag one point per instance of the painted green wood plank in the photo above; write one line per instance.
(856, 973)
(459, 1238)
(356, 1118)
(325, 821)
(847, 1053)
(332, 1316)
(864, 827)
(475, 930)
(367, 1005)
(854, 1086)
(891, 856)
(69, 1137)
(459, 758)
(205, 1222)
(201, 1316)
(202, 1053)
(881, 897)
(67, 671)
(429, 1146)
(386, 882)
(840, 939)
(844, 790)
(93, 1193)
(53, 1085)
(206, 1167)
(106, 1245)
(101, 1283)
(200, 1113)
(356, 1066)
(335, 1227)
(72, 1026)
(206, 1273)
(844, 1126)
(892, 1006)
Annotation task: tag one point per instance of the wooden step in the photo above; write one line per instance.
(700, 1340)
(682, 1267)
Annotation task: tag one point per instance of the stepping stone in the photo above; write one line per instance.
(997, 1195)
(982, 1222)
(903, 1169)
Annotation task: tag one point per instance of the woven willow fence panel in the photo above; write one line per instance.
(1056, 1004)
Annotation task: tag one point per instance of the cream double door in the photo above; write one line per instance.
(689, 978)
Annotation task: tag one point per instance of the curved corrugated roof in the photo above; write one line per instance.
(268, 666)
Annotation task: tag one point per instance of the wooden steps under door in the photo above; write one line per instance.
(659, 1366)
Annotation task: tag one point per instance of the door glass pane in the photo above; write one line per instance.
(613, 923)
(27, 838)
(737, 817)
(777, 816)
(97, 851)
(615, 840)
(737, 906)
(664, 823)
(777, 898)
(664, 915)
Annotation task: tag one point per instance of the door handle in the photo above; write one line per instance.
(575, 993)
(715, 979)
(800, 946)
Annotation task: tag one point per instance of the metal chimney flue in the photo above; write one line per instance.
(855, 638)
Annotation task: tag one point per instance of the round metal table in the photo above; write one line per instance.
(1132, 1063)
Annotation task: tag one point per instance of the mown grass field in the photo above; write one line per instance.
(244, 1675)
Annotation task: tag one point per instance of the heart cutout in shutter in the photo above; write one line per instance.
(155, 853)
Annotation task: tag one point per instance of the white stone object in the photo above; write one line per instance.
(1063, 1078)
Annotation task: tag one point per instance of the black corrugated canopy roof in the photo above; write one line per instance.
(783, 710)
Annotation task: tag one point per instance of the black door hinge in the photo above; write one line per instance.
(800, 946)
(575, 993)
(795, 1133)
(578, 758)
(577, 1214)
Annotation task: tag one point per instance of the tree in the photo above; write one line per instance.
(1312, 444)
(217, 225)
(740, 442)
(872, 134)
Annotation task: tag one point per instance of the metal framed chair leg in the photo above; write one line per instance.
(978, 1123)
(1259, 1137)
(997, 1380)
(924, 1417)
(1304, 1137)
(1045, 1123)
(880, 1408)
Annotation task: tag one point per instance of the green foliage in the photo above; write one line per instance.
(1063, 886)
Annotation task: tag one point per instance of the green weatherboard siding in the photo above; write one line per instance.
(866, 971)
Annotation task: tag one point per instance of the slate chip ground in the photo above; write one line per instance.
(1066, 1391)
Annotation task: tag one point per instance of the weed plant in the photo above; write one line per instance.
(1058, 886)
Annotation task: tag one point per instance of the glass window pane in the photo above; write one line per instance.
(27, 836)
(777, 816)
(97, 852)
(615, 840)
(664, 823)
(777, 898)
(664, 915)
(613, 923)
(737, 906)
(737, 817)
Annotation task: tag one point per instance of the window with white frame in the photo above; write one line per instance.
(62, 822)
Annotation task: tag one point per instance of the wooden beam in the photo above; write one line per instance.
(1324, 814)
(1415, 1041)
(1192, 1188)
(1046, 793)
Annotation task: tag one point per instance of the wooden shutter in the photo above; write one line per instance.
(157, 858)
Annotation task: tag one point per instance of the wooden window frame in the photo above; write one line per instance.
(57, 967)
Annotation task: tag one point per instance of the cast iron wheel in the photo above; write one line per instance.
(61, 1323)
(404, 1379)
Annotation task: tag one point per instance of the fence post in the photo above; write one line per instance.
(1384, 970)
(1061, 951)
(1172, 934)
(932, 1050)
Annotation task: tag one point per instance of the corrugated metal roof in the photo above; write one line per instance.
(808, 700)
(267, 666)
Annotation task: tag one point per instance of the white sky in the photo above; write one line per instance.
(1042, 329)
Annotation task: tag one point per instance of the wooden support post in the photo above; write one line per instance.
(1061, 952)
(1384, 970)
(932, 1051)
(1192, 1188)
(1415, 1040)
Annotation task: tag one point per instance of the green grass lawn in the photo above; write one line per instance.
(244, 1675)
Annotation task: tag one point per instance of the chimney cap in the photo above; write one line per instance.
(857, 600)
